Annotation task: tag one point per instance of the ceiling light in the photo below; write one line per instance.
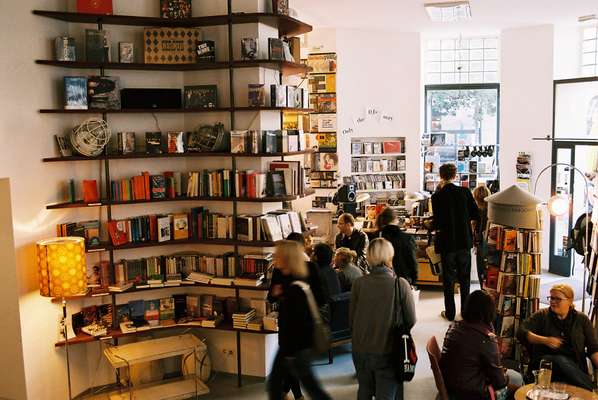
(453, 11)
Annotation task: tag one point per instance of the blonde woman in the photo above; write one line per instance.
(295, 327)
(348, 272)
(372, 313)
(563, 336)
(479, 194)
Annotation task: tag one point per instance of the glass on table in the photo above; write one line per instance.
(558, 387)
(545, 374)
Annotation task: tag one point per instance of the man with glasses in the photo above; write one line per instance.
(352, 238)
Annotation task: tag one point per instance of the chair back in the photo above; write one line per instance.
(434, 355)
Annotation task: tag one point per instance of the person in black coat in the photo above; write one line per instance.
(295, 327)
(404, 261)
(454, 211)
(352, 238)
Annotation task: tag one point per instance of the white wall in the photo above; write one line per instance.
(526, 105)
(567, 51)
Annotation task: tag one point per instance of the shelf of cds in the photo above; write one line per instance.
(244, 237)
(513, 279)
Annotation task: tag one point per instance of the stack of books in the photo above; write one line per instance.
(242, 317)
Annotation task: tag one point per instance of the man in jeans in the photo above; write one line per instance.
(454, 210)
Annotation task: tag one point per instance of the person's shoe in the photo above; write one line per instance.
(287, 396)
(443, 315)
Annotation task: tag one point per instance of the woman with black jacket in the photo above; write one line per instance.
(404, 261)
(295, 327)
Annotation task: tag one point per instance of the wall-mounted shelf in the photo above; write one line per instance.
(286, 67)
(287, 26)
(380, 190)
(379, 173)
(211, 242)
(379, 155)
(171, 110)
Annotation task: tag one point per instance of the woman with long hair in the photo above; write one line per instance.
(295, 326)
(373, 312)
(481, 246)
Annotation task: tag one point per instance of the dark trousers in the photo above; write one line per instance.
(566, 370)
(299, 366)
(376, 377)
(291, 384)
(481, 255)
(456, 267)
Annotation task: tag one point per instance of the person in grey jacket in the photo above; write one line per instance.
(372, 312)
(347, 271)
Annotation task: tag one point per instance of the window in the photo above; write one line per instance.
(589, 51)
(471, 60)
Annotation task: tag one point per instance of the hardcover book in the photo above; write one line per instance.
(152, 312)
(275, 49)
(126, 142)
(275, 185)
(64, 146)
(206, 51)
(280, 7)
(164, 229)
(181, 226)
(295, 47)
(278, 96)
(90, 191)
(103, 92)
(392, 146)
(292, 97)
(118, 232)
(327, 142)
(75, 93)
(201, 96)
(326, 103)
(171, 45)
(94, 6)
(153, 142)
(126, 53)
(256, 94)
(249, 49)
(238, 141)
(175, 142)
(158, 186)
(325, 62)
(97, 46)
(167, 311)
(175, 9)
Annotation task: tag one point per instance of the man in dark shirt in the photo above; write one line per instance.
(454, 210)
(352, 238)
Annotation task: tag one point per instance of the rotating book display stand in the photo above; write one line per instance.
(286, 26)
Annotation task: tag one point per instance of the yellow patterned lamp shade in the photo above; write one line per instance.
(61, 266)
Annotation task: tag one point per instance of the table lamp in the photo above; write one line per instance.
(62, 273)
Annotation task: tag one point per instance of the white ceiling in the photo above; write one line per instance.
(489, 16)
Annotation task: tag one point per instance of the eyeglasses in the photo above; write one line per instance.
(555, 299)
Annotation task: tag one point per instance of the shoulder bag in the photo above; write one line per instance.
(404, 353)
(321, 334)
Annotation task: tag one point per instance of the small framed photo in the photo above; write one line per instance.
(126, 52)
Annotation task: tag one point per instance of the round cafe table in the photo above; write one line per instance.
(573, 391)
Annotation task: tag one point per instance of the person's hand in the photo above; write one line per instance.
(553, 342)
(276, 290)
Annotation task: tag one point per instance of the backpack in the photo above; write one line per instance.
(578, 233)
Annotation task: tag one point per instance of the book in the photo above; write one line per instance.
(506, 327)
(295, 47)
(90, 191)
(97, 46)
(152, 312)
(126, 52)
(275, 49)
(275, 184)
(64, 145)
(280, 7)
(126, 142)
(175, 9)
(103, 92)
(164, 234)
(292, 96)
(256, 94)
(94, 7)
(118, 232)
(158, 187)
(201, 96)
(153, 142)
(180, 226)
(326, 103)
(206, 51)
(166, 311)
(509, 262)
(510, 240)
(75, 93)
(175, 142)
(249, 49)
(278, 96)
(238, 141)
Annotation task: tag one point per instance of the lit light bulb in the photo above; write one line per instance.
(558, 205)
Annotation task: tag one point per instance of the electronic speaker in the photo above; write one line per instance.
(346, 194)
(151, 98)
(346, 207)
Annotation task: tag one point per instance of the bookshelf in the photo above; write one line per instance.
(513, 279)
(238, 116)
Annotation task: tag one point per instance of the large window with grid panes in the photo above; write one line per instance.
(462, 60)
(589, 51)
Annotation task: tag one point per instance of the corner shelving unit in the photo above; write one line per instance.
(287, 26)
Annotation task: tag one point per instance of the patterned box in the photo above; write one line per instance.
(171, 45)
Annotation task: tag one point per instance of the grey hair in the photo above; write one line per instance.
(380, 251)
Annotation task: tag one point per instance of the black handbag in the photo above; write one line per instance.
(404, 354)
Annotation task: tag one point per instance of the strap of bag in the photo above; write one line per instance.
(397, 301)
(311, 302)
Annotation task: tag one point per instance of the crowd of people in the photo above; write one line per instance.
(380, 274)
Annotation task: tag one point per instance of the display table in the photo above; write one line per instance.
(574, 392)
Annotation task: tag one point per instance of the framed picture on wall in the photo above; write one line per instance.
(576, 109)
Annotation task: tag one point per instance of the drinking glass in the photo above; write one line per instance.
(545, 375)
(558, 387)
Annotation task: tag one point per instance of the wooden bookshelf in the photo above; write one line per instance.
(287, 26)
(172, 110)
(212, 242)
(138, 155)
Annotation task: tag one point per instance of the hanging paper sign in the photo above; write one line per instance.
(347, 131)
(359, 120)
(387, 118)
(373, 112)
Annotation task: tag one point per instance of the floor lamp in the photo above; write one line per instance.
(62, 273)
(559, 205)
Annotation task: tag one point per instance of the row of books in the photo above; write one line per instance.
(273, 226)
(521, 263)
(267, 141)
(90, 230)
(323, 102)
(518, 285)
(382, 165)
(379, 182)
(513, 240)
(387, 146)
(280, 96)
(509, 305)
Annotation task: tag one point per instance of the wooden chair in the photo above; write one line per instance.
(434, 355)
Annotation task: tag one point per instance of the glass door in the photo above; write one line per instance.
(560, 258)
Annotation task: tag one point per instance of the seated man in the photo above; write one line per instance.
(347, 271)
(352, 238)
(563, 336)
